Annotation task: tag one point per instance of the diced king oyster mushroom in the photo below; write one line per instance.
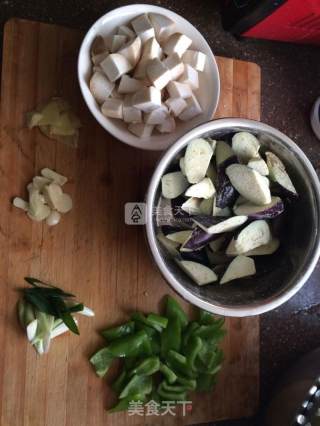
(98, 46)
(158, 73)
(177, 43)
(195, 58)
(190, 77)
(130, 113)
(240, 267)
(117, 42)
(199, 273)
(97, 59)
(125, 30)
(100, 87)
(54, 176)
(167, 126)
(147, 99)
(57, 199)
(162, 25)
(173, 184)
(174, 65)
(179, 90)
(132, 51)
(278, 172)
(129, 85)
(115, 65)
(192, 109)
(141, 130)
(203, 189)
(249, 183)
(176, 105)
(151, 50)
(112, 108)
(245, 145)
(157, 116)
(196, 160)
(143, 27)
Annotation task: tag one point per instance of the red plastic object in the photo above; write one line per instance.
(295, 21)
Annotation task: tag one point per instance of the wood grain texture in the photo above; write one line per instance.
(92, 252)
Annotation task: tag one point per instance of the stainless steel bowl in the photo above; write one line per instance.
(284, 273)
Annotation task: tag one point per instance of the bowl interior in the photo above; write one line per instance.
(208, 92)
(297, 229)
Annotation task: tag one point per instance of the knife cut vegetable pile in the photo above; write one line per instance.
(218, 205)
(164, 357)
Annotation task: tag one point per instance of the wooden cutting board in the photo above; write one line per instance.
(91, 252)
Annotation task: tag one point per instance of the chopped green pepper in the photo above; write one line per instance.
(137, 384)
(174, 310)
(205, 318)
(192, 326)
(170, 375)
(119, 383)
(157, 321)
(124, 403)
(205, 382)
(189, 384)
(171, 336)
(138, 317)
(101, 361)
(192, 350)
(211, 332)
(147, 367)
(171, 396)
(128, 346)
(116, 332)
(173, 388)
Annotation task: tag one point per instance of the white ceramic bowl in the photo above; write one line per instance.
(208, 92)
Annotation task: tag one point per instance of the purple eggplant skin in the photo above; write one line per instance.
(199, 256)
(207, 220)
(270, 213)
(181, 218)
(279, 191)
(199, 238)
(226, 194)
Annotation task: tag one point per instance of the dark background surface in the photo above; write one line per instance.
(290, 84)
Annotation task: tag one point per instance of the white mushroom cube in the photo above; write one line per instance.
(112, 108)
(132, 51)
(117, 42)
(96, 59)
(126, 31)
(141, 130)
(192, 110)
(167, 126)
(147, 99)
(143, 27)
(175, 66)
(98, 46)
(163, 26)
(158, 73)
(130, 113)
(177, 43)
(157, 116)
(190, 77)
(129, 85)
(195, 58)
(100, 87)
(151, 49)
(115, 65)
(179, 90)
(176, 105)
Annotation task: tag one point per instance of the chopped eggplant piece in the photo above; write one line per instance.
(217, 244)
(179, 237)
(182, 167)
(256, 234)
(173, 184)
(218, 212)
(217, 258)
(206, 206)
(278, 172)
(203, 189)
(199, 273)
(245, 145)
(198, 239)
(196, 160)
(212, 174)
(169, 245)
(249, 183)
(240, 267)
(268, 211)
(227, 225)
(199, 256)
(223, 152)
(192, 206)
(264, 250)
(258, 164)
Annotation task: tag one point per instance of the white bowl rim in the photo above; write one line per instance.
(126, 136)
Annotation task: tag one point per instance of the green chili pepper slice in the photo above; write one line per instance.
(157, 321)
(169, 374)
(192, 350)
(101, 361)
(120, 381)
(192, 326)
(171, 336)
(171, 396)
(120, 331)
(129, 346)
(137, 384)
(189, 384)
(174, 310)
(147, 367)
